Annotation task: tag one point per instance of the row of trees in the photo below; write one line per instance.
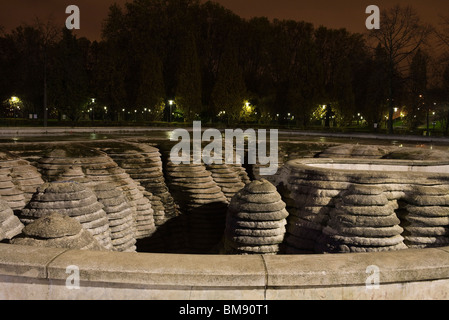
(212, 63)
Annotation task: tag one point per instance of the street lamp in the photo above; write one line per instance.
(170, 102)
(93, 110)
(14, 104)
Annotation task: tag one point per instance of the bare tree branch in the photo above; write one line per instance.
(443, 33)
(401, 34)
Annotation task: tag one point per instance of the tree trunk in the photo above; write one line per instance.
(390, 118)
(327, 119)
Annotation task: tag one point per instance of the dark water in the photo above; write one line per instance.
(159, 136)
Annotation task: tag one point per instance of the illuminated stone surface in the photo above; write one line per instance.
(255, 221)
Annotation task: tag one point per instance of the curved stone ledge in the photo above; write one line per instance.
(41, 273)
(369, 170)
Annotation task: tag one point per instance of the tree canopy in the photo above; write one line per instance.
(213, 63)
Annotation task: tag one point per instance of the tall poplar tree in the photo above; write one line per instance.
(68, 83)
(418, 89)
(188, 87)
(151, 92)
(229, 90)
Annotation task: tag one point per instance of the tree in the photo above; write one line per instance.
(257, 42)
(401, 34)
(216, 25)
(68, 83)
(110, 76)
(229, 91)
(8, 72)
(377, 88)
(295, 69)
(188, 87)
(151, 94)
(418, 89)
(29, 51)
(145, 30)
(442, 34)
(339, 51)
(112, 64)
(445, 89)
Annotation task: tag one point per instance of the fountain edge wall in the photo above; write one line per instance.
(34, 273)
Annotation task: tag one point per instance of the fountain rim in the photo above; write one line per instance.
(313, 165)
(41, 273)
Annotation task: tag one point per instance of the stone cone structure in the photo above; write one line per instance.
(58, 231)
(158, 207)
(24, 176)
(256, 220)
(10, 225)
(363, 221)
(74, 200)
(202, 204)
(309, 203)
(119, 212)
(57, 160)
(425, 216)
(75, 173)
(120, 216)
(350, 151)
(159, 240)
(241, 171)
(227, 178)
(99, 168)
(18, 180)
(27, 179)
(236, 162)
(143, 164)
(10, 193)
(277, 163)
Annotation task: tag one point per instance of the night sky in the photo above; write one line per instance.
(348, 14)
